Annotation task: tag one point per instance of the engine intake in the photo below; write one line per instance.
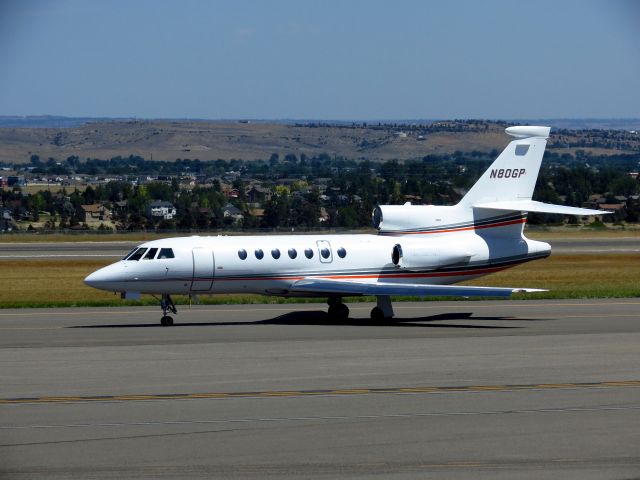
(396, 254)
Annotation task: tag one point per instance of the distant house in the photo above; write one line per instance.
(142, 179)
(612, 206)
(324, 215)
(231, 192)
(95, 212)
(161, 209)
(231, 211)
(256, 212)
(258, 194)
(6, 220)
(16, 180)
(121, 207)
(412, 198)
(200, 211)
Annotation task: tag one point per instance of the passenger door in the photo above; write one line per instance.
(203, 269)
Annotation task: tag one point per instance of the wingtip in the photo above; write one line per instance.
(528, 290)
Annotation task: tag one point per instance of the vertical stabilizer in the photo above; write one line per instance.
(513, 175)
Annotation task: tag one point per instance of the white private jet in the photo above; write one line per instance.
(420, 250)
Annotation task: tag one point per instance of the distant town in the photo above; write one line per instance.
(284, 191)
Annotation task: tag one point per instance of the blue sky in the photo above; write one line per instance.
(340, 60)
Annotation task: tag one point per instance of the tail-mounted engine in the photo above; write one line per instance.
(394, 218)
(401, 217)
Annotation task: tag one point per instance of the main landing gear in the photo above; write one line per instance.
(383, 310)
(337, 309)
(167, 305)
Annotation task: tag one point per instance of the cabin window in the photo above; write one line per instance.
(242, 254)
(275, 253)
(166, 253)
(150, 254)
(342, 252)
(137, 255)
(292, 253)
(259, 254)
(325, 253)
(308, 253)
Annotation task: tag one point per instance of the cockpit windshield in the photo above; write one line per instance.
(148, 254)
(166, 253)
(126, 257)
(137, 255)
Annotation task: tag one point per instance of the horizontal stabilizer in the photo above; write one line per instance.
(538, 207)
(528, 131)
(343, 287)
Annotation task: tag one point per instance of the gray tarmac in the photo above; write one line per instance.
(116, 250)
(497, 389)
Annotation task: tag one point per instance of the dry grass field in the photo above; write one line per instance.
(574, 276)
(39, 283)
(53, 188)
(168, 140)
(229, 140)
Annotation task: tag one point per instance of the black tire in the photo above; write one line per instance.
(338, 311)
(377, 315)
(166, 321)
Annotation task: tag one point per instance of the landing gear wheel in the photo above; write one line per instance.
(167, 305)
(377, 315)
(339, 311)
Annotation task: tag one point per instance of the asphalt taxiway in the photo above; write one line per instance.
(499, 389)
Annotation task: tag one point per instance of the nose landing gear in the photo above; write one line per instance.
(167, 305)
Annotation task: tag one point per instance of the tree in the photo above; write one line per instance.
(347, 217)
(89, 196)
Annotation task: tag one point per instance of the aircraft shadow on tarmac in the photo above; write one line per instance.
(319, 318)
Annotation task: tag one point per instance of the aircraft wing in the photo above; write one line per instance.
(344, 287)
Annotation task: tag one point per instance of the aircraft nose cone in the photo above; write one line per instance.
(104, 279)
(95, 279)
